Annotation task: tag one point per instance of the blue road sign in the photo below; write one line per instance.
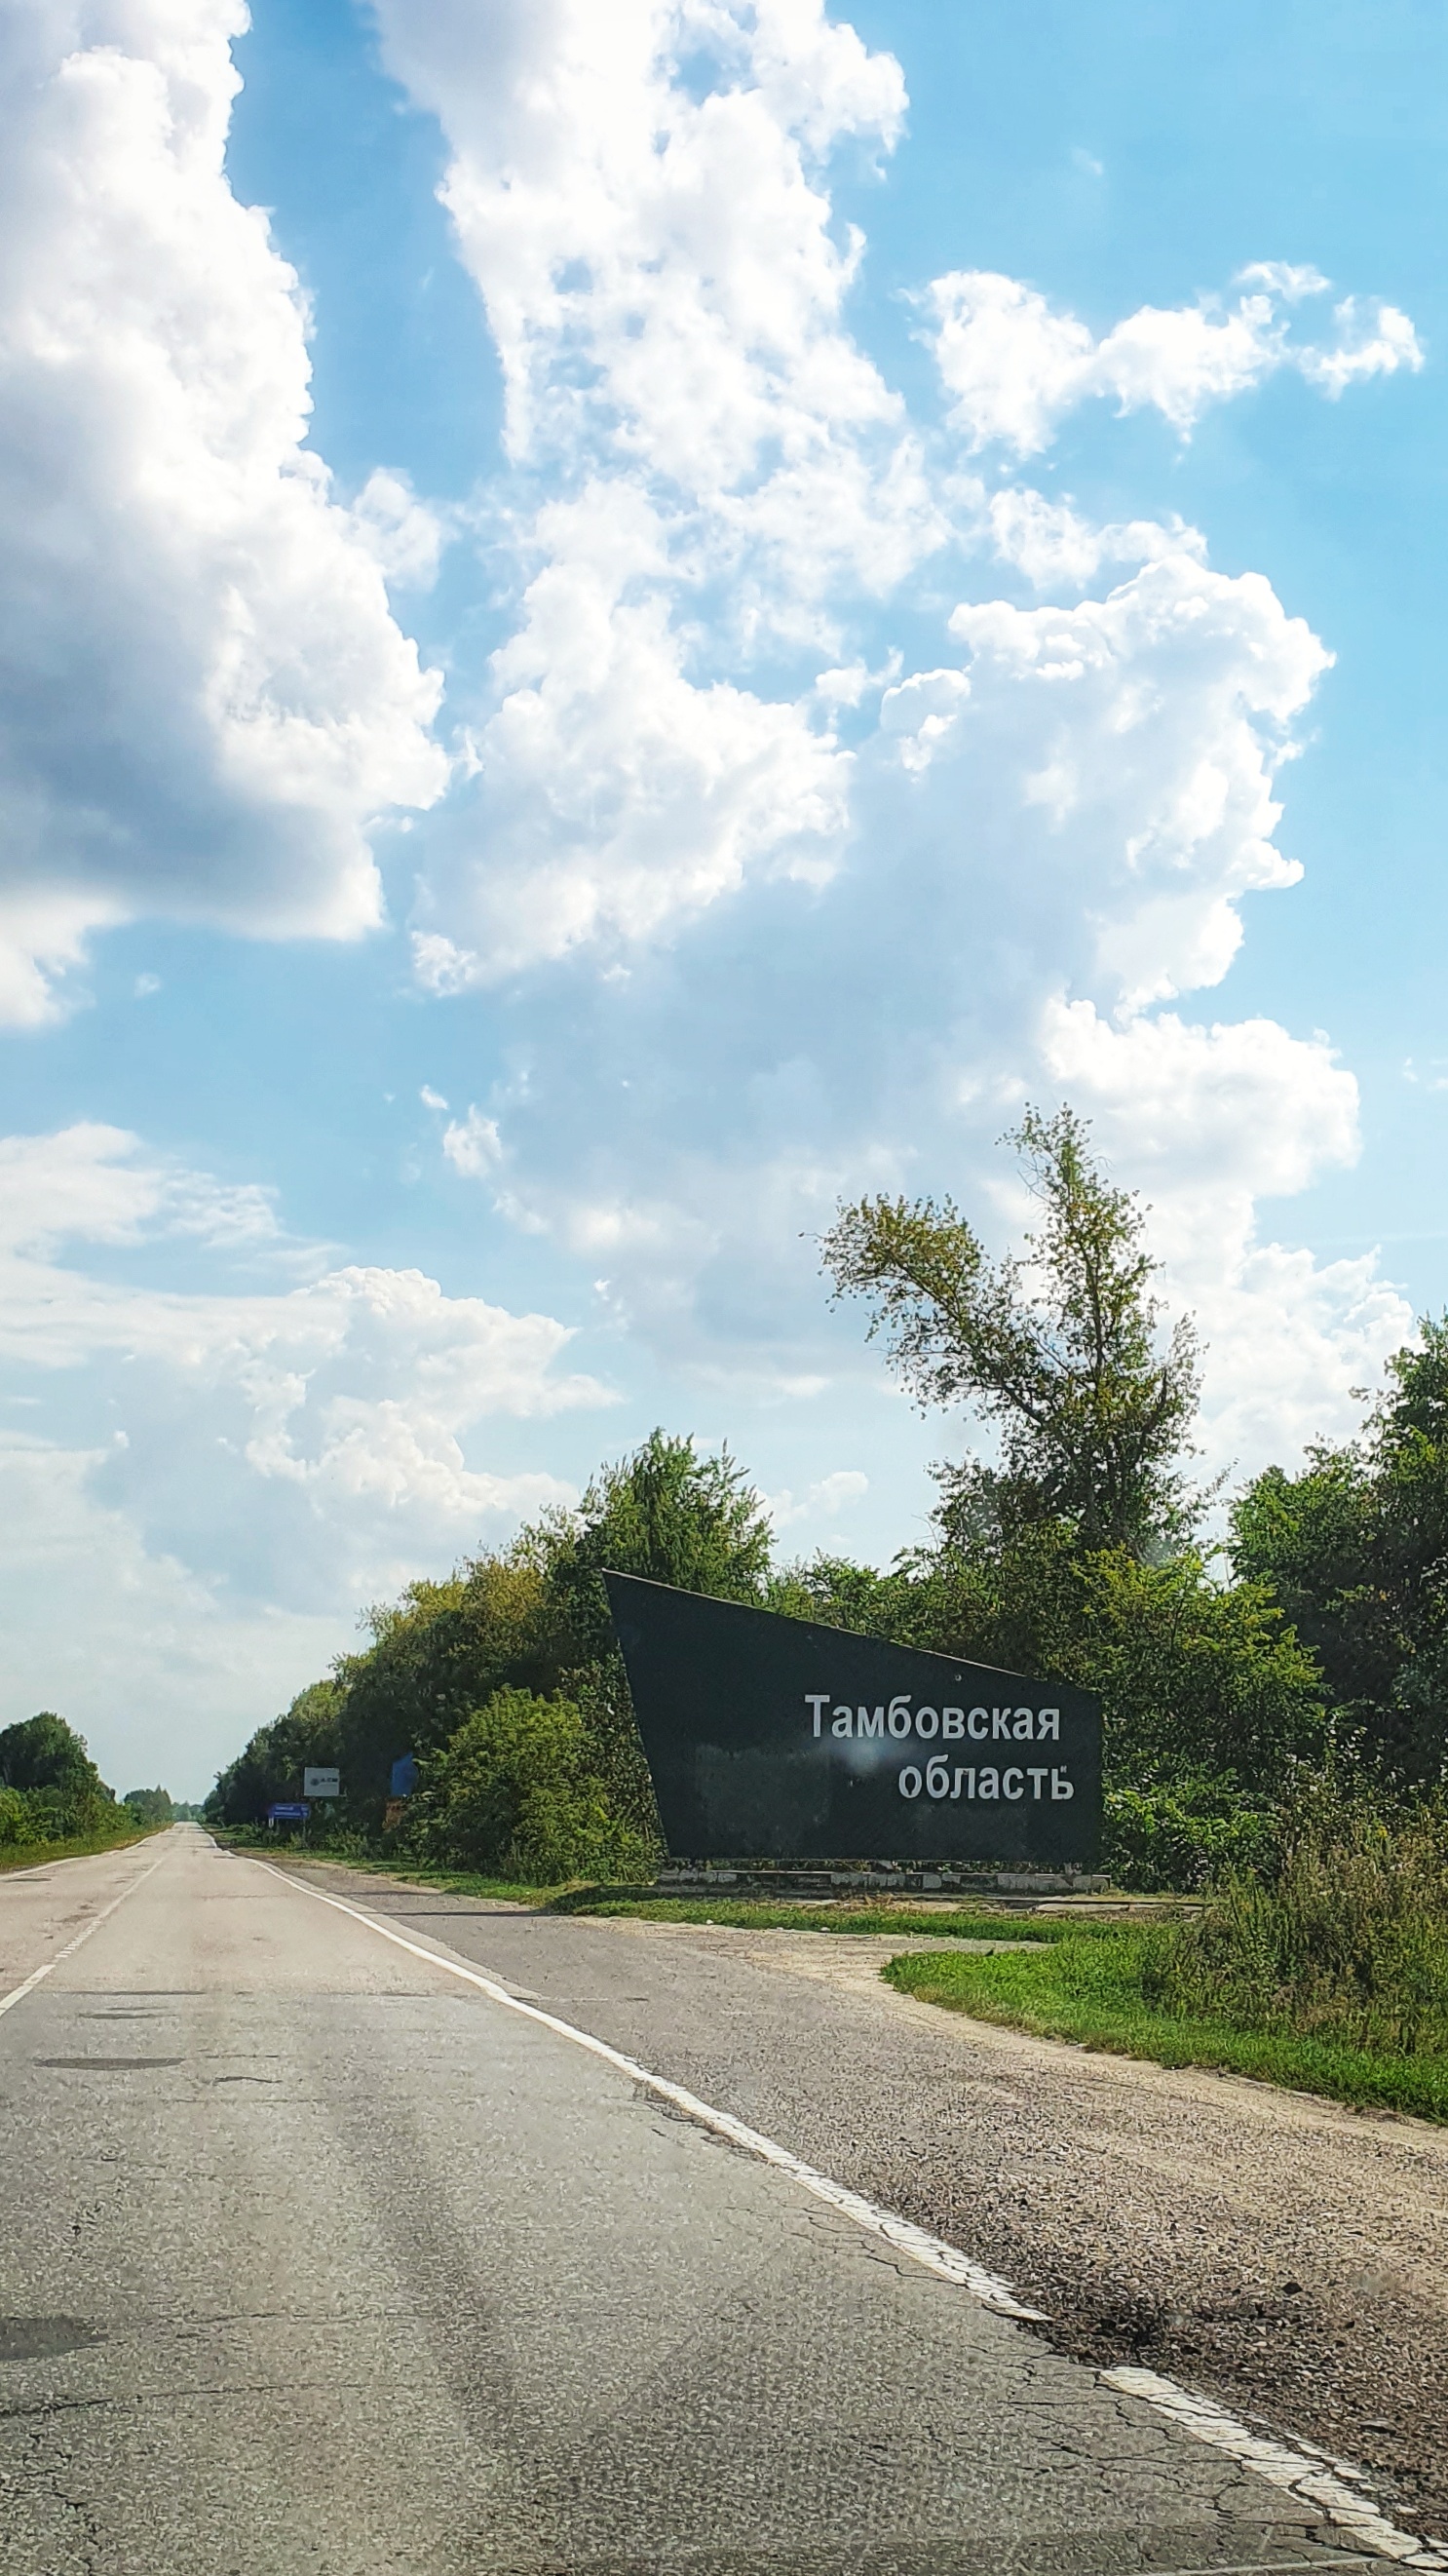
(296, 1813)
(404, 1776)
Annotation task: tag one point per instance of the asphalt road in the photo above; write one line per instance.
(1284, 2254)
(316, 2258)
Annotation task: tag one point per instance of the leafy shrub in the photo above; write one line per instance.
(150, 1806)
(1348, 1941)
(16, 1822)
(1184, 1836)
(514, 1794)
(47, 1762)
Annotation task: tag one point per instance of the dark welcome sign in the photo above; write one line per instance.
(777, 1739)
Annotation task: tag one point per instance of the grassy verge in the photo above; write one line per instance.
(76, 1847)
(940, 1923)
(455, 1882)
(1090, 1991)
(974, 1923)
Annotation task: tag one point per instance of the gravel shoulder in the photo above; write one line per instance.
(1280, 2253)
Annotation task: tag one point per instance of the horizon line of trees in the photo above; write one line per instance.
(52, 1792)
(1312, 1645)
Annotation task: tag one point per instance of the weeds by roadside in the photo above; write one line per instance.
(1331, 1977)
(72, 1847)
(968, 1923)
(353, 1851)
(1349, 1942)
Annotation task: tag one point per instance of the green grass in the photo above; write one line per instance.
(75, 1847)
(1091, 1992)
(940, 1923)
(455, 1882)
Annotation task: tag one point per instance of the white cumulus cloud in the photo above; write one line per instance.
(620, 793)
(1051, 542)
(659, 267)
(1129, 747)
(1016, 367)
(404, 537)
(657, 257)
(204, 699)
(273, 1455)
(473, 1144)
(823, 1500)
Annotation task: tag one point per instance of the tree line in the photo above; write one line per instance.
(1310, 1645)
(52, 1792)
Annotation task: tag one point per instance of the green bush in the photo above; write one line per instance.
(16, 1822)
(513, 1794)
(1185, 1836)
(1347, 1942)
(150, 1806)
(46, 1762)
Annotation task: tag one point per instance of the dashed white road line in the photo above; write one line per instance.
(28, 1984)
(1295, 2471)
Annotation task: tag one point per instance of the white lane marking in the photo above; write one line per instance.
(1277, 2462)
(28, 1984)
(946, 2261)
(1280, 2464)
(1278, 2566)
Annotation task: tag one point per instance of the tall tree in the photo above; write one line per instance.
(1062, 1350)
(153, 1806)
(1356, 1551)
(44, 1761)
(44, 1753)
(666, 1513)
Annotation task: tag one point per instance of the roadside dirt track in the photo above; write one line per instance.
(1284, 2254)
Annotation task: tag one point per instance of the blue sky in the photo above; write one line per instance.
(626, 618)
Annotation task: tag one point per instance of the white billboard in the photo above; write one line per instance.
(321, 1783)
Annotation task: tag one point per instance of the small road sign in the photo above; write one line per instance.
(321, 1783)
(291, 1812)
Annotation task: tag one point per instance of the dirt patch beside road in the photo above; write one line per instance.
(1259, 2245)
